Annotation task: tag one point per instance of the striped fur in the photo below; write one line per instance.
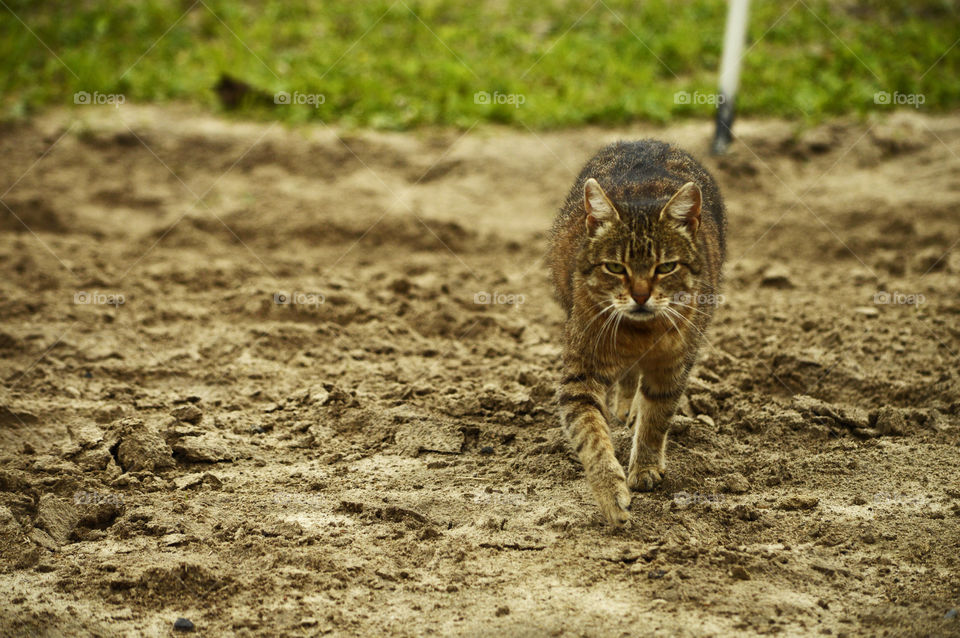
(635, 257)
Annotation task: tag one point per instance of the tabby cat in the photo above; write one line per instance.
(635, 255)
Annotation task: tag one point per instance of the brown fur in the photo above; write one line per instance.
(635, 332)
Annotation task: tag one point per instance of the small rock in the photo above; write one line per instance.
(656, 574)
(503, 610)
(740, 572)
(125, 480)
(707, 420)
(86, 436)
(182, 624)
(486, 450)
(867, 311)
(207, 448)
(776, 276)
(890, 421)
(736, 483)
(176, 540)
(143, 449)
(950, 615)
(94, 460)
(197, 480)
(319, 396)
(43, 539)
(58, 517)
(188, 414)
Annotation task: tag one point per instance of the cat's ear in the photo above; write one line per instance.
(683, 209)
(600, 210)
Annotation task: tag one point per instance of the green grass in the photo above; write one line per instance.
(406, 64)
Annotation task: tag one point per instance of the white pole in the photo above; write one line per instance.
(734, 38)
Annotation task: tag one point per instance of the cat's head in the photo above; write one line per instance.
(641, 258)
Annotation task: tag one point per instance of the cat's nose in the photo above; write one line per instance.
(640, 297)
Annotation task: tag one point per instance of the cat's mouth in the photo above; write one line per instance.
(640, 313)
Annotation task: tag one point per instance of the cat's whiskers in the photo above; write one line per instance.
(610, 305)
(603, 329)
(617, 315)
(675, 327)
(678, 315)
(683, 305)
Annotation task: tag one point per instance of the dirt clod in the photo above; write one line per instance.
(183, 624)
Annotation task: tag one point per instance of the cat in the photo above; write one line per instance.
(635, 257)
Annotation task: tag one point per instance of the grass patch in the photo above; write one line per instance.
(403, 64)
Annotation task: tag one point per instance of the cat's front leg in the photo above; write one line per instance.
(657, 396)
(581, 398)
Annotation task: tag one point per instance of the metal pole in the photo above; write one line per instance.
(734, 38)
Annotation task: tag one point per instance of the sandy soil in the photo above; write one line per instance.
(380, 455)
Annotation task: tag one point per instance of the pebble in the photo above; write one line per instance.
(707, 420)
(867, 311)
(950, 615)
(891, 421)
(209, 448)
(776, 276)
(182, 624)
(740, 573)
(143, 449)
(486, 449)
(736, 483)
(502, 611)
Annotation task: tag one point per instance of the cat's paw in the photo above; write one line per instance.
(645, 478)
(614, 498)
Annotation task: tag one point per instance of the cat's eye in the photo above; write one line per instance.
(614, 267)
(666, 267)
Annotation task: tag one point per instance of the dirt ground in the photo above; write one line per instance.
(250, 380)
